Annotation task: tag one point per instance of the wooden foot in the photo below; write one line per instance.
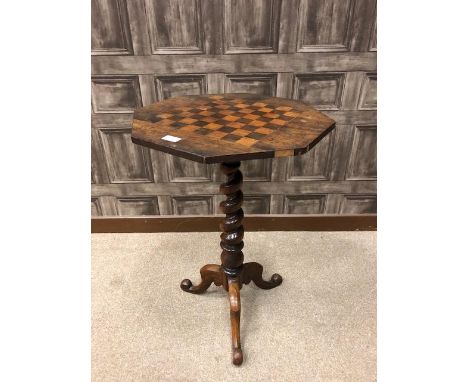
(234, 286)
(210, 273)
(253, 272)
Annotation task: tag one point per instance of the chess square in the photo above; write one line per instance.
(241, 105)
(241, 132)
(246, 111)
(165, 122)
(203, 131)
(245, 141)
(271, 115)
(265, 109)
(209, 119)
(231, 138)
(250, 128)
(218, 116)
(217, 134)
(256, 136)
(236, 125)
(200, 123)
(263, 119)
(251, 116)
(284, 108)
(244, 121)
(188, 120)
(259, 104)
(189, 128)
(257, 123)
(206, 113)
(225, 112)
(213, 126)
(278, 122)
(263, 130)
(271, 126)
(230, 118)
(237, 114)
(226, 129)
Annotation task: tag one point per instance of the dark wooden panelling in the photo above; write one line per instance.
(314, 165)
(362, 23)
(264, 84)
(184, 170)
(373, 40)
(251, 26)
(323, 25)
(95, 207)
(192, 205)
(110, 30)
(173, 86)
(304, 204)
(323, 90)
(257, 170)
(363, 158)
(175, 26)
(137, 206)
(368, 95)
(359, 204)
(149, 50)
(256, 204)
(115, 94)
(126, 162)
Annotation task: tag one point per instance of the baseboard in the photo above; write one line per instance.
(362, 222)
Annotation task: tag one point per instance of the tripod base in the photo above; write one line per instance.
(212, 273)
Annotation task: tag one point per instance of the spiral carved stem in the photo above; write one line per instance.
(232, 257)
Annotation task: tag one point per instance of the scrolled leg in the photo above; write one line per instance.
(234, 286)
(253, 272)
(210, 273)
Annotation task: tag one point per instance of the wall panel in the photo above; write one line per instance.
(251, 26)
(322, 52)
(175, 26)
(110, 29)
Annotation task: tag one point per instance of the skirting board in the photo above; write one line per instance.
(363, 222)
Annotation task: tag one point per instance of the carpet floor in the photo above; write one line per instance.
(319, 325)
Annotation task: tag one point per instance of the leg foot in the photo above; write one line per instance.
(253, 272)
(235, 307)
(210, 273)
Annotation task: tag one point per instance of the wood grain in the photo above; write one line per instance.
(230, 127)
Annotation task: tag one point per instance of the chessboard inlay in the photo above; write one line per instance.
(211, 127)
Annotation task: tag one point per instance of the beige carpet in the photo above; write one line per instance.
(319, 325)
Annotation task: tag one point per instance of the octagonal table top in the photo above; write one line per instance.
(229, 127)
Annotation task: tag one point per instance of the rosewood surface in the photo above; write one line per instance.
(230, 127)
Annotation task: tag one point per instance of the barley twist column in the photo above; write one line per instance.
(232, 257)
